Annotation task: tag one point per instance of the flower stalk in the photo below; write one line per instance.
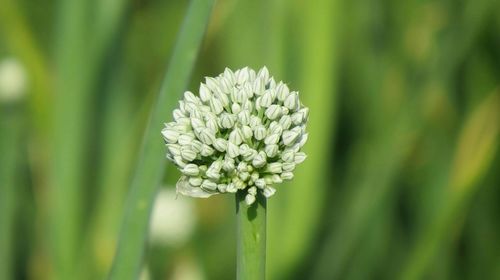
(251, 237)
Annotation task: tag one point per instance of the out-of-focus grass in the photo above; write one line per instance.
(477, 143)
(11, 122)
(150, 168)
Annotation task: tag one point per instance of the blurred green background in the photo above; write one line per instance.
(402, 179)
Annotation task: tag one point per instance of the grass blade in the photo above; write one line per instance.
(10, 129)
(151, 164)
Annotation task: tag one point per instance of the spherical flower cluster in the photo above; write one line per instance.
(243, 132)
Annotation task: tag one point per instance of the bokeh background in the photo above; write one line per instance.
(402, 179)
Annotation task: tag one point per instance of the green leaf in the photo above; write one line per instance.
(151, 165)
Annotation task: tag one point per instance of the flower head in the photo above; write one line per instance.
(243, 132)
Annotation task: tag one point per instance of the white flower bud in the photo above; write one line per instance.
(184, 121)
(282, 92)
(191, 107)
(185, 139)
(249, 155)
(244, 117)
(266, 100)
(272, 139)
(288, 155)
(289, 137)
(305, 113)
(207, 136)
(259, 132)
(239, 183)
(252, 191)
(271, 83)
(249, 199)
(274, 167)
(244, 148)
(246, 132)
(258, 86)
(170, 135)
(216, 105)
(212, 125)
(275, 128)
(228, 164)
(258, 108)
(203, 168)
(222, 188)
(191, 170)
(225, 85)
(195, 181)
(244, 176)
(213, 171)
(235, 108)
(255, 175)
(263, 73)
(223, 98)
(229, 74)
(232, 150)
(182, 107)
(220, 144)
(271, 150)
(206, 150)
(269, 191)
(297, 117)
(268, 179)
(291, 101)
(303, 139)
(205, 93)
(242, 76)
(288, 166)
(284, 110)
(242, 166)
(174, 149)
(196, 146)
(208, 185)
(196, 113)
(255, 121)
(178, 114)
(212, 84)
(187, 153)
(285, 122)
(190, 97)
(226, 120)
(259, 160)
(273, 111)
(260, 183)
(231, 188)
(197, 123)
(287, 175)
(241, 95)
(247, 106)
(235, 136)
(179, 162)
(299, 157)
(277, 179)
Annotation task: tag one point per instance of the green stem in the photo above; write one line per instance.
(251, 237)
(151, 164)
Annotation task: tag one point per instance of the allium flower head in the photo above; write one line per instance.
(244, 131)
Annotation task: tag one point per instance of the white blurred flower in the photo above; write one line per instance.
(251, 129)
(12, 80)
(173, 219)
